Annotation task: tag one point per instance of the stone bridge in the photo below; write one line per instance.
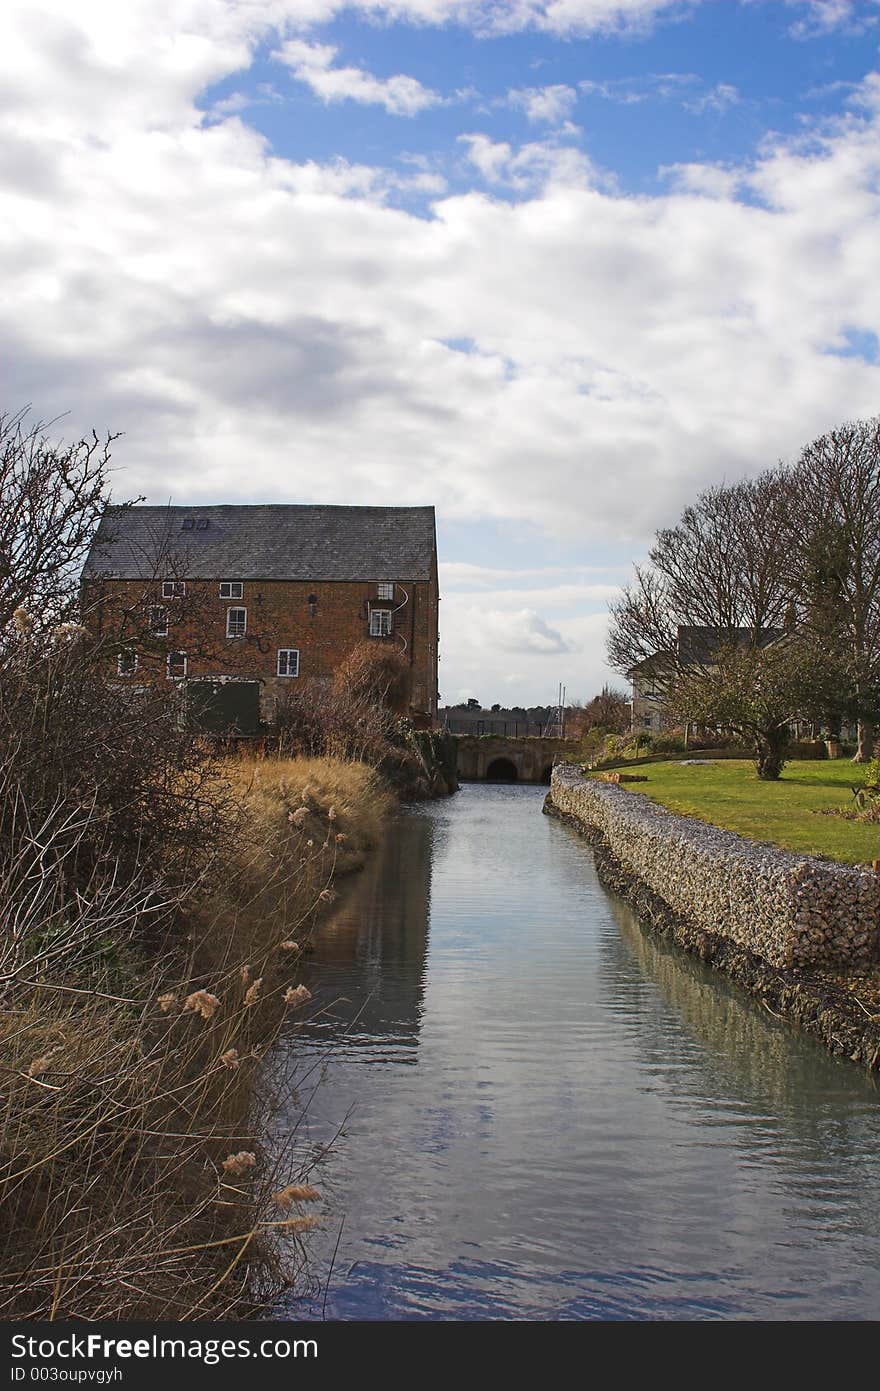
(497, 758)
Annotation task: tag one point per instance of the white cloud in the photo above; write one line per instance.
(264, 329)
(499, 656)
(489, 587)
(509, 16)
(684, 89)
(719, 99)
(534, 165)
(819, 18)
(551, 105)
(523, 631)
(312, 63)
(466, 575)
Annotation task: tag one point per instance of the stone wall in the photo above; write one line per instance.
(789, 909)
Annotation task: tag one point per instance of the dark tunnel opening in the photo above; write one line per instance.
(502, 770)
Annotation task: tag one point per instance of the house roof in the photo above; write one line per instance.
(701, 644)
(658, 664)
(696, 645)
(266, 541)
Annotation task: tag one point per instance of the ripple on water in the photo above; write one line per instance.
(547, 1114)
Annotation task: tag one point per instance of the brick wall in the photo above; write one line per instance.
(323, 621)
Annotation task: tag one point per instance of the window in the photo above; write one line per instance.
(202, 524)
(232, 589)
(288, 661)
(175, 666)
(173, 589)
(380, 623)
(385, 591)
(187, 524)
(126, 662)
(159, 622)
(236, 623)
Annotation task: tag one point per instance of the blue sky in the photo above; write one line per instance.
(552, 265)
(706, 84)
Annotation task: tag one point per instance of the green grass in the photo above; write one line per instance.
(729, 794)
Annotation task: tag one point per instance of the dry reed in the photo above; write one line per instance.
(133, 1184)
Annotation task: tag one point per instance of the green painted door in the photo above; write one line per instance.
(224, 707)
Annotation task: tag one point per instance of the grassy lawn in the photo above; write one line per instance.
(729, 794)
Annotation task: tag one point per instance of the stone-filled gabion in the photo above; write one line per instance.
(792, 910)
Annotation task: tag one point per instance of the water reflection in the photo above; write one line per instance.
(369, 969)
(552, 1115)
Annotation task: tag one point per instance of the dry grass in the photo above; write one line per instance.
(132, 1179)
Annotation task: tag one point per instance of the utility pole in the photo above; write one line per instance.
(556, 727)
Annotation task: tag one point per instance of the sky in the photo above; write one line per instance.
(552, 266)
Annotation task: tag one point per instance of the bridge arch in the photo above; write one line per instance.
(531, 757)
(502, 770)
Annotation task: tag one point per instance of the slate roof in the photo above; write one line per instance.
(660, 664)
(696, 646)
(699, 644)
(267, 541)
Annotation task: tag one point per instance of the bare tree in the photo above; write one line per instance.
(109, 760)
(52, 497)
(726, 564)
(643, 623)
(837, 506)
(609, 710)
(726, 567)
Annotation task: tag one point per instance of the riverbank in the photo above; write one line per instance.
(133, 1181)
(835, 1001)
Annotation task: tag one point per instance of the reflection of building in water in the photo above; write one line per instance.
(762, 1065)
(368, 967)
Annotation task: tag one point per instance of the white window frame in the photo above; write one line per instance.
(385, 590)
(237, 633)
(174, 589)
(159, 621)
(120, 659)
(287, 653)
(380, 623)
(174, 676)
(231, 589)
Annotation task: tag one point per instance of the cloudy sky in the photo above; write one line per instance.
(551, 265)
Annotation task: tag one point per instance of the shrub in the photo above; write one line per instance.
(807, 748)
(373, 674)
(670, 743)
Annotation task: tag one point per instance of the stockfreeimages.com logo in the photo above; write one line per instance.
(94, 1346)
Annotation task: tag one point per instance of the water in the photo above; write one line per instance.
(539, 1112)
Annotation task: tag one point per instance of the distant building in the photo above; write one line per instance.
(514, 723)
(694, 647)
(265, 597)
(650, 680)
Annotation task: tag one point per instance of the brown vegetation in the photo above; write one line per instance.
(132, 1179)
(155, 904)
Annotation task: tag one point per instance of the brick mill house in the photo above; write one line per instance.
(246, 602)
